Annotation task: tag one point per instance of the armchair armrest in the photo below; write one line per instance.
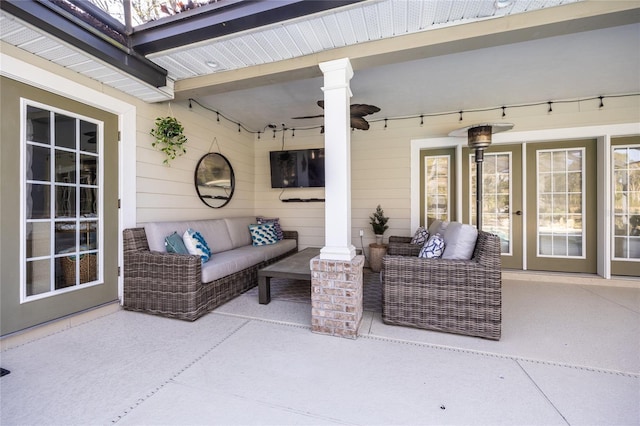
(290, 235)
(401, 246)
(162, 272)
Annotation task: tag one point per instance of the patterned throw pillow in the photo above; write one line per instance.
(276, 224)
(263, 234)
(420, 237)
(195, 244)
(175, 244)
(433, 248)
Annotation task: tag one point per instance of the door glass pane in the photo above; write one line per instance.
(38, 127)
(61, 221)
(38, 239)
(41, 156)
(38, 277)
(560, 203)
(65, 131)
(88, 137)
(626, 193)
(38, 201)
(436, 188)
(65, 166)
(496, 196)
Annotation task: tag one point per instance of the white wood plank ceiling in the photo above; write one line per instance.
(358, 23)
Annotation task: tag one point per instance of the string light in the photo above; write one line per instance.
(420, 116)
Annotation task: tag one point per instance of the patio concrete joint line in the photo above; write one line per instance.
(542, 392)
(139, 401)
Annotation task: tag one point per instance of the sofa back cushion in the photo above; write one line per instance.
(214, 231)
(239, 230)
(460, 241)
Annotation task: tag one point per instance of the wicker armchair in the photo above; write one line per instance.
(455, 296)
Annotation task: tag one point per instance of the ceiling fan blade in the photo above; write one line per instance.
(363, 109)
(359, 123)
(307, 116)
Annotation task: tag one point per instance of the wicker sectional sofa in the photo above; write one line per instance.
(454, 296)
(180, 286)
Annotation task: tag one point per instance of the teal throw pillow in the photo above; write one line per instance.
(174, 244)
(195, 244)
(263, 234)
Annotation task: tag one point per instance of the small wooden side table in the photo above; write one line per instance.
(376, 253)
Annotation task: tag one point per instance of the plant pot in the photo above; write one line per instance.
(378, 239)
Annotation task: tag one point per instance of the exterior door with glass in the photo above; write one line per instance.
(62, 207)
(501, 197)
(625, 156)
(562, 206)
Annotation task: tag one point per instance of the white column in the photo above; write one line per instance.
(337, 160)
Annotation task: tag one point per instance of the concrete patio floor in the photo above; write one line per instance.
(569, 354)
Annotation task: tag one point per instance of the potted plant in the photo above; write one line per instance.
(379, 223)
(169, 137)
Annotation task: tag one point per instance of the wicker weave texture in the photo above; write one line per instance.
(169, 284)
(455, 296)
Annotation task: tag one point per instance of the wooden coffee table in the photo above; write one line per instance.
(296, 267)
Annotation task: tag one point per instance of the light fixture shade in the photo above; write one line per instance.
(479, 137)
(495, 128)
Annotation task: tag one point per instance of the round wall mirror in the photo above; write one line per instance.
(214, 180)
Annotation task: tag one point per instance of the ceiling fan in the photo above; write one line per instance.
(357, 112)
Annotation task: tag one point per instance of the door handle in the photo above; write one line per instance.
(519, 213)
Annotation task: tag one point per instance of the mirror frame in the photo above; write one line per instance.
(207, 199)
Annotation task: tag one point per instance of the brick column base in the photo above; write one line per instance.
(336, 296)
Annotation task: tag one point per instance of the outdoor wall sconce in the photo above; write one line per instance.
(479, 138)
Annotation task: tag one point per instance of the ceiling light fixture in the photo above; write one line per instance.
(212, 64)
(500, 4)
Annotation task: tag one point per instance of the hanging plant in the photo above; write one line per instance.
(169, 137)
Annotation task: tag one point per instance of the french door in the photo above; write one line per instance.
(501, 197)
(63, 187)
(561, 221)
(625, 156)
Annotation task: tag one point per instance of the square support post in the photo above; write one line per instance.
(336, 296)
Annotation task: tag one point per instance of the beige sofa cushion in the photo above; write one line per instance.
(214, 231)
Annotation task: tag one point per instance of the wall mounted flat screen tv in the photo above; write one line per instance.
(302, 168)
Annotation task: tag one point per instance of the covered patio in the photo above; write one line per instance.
(569, 354)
